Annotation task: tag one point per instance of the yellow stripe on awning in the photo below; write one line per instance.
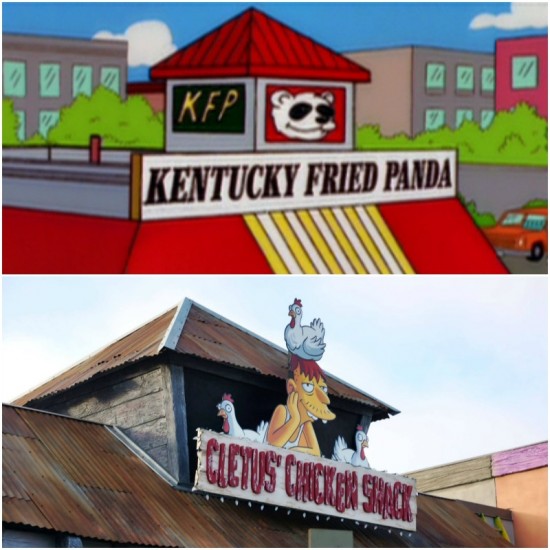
(384, 230)
(332, 240)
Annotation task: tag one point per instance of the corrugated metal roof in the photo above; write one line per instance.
(141, 343)
(200, 333)
(253, 44)
(76, 477)
(211, 337)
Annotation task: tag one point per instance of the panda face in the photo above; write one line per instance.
(305, 116)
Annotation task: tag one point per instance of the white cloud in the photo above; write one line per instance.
(522, 15)
(148, 42)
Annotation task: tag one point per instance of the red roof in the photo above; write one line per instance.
(436, 236)
(253, 44)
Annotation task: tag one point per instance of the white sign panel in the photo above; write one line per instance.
(183, 186)
(258, 472)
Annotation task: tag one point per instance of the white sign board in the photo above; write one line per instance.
(183, 186)
(259, 472)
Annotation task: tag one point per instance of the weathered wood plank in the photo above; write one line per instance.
(450, 475)
(132, 413)
(149, 435)
(519, 460)
(112, 395)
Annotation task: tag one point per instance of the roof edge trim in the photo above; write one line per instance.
(142, 455)
(173, 333)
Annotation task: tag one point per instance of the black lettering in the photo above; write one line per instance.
(178, 185)
(271, 185)
(156, 193)
(445, 180)
(312, 178)
(371, 177)
(392, 170)
(290, 171)
(235, 193)
(329, 181)
(250, 181)
(218, 173)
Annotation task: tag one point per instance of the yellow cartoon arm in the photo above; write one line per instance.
(311, 440)
(280, 429)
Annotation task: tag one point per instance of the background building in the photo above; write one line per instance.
(522, 73)
(43, 74)
(516, 479)
(414, 89)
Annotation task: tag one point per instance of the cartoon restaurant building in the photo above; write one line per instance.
(125, 449)
(259, 151)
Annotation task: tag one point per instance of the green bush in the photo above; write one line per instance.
(481, 219)
(121, 124)
(536, 203)
(517, 137)
(10, 124)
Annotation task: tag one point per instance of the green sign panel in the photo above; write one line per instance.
(209, 108)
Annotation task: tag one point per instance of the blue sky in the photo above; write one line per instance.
(341, 26)
(463, 358)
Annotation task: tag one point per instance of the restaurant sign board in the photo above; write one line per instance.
(253, 471)
(181, 186)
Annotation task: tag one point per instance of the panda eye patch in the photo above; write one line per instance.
(300, 111)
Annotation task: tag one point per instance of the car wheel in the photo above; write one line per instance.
(537, 252)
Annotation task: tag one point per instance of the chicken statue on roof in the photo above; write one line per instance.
(291, 425)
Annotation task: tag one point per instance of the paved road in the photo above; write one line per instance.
(519, 265)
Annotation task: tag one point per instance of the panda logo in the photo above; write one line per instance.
(305, 116)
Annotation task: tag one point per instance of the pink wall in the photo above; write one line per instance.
(505, 96)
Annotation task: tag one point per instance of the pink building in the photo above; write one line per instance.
(522, 73)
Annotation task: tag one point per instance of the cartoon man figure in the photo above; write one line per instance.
(291, 425)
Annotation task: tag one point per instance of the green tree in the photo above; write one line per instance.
(10, 124)
(517, 137)
(121, 124)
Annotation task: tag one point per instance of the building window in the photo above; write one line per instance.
(82, 80)
(110, 78)
(465, 79)
(487, 117)
(50, 80)
(487, 80)
(435, 77)
(15, 79)
(462, 115)
(21, 129)
(525, 72)
(435, 119)
(47, 120)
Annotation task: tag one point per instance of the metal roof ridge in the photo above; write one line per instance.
(186, 305)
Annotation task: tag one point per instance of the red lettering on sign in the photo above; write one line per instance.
(246, 454)
(407, 512)
(222, 480)
(368, 494)
(270, 458)
(397, 511)
(388, 501)
(258, 471)
(318, 494)
(352, 496)
(379, 500)
(290, 488)
(340, 492)
(211, 474)
(234, 451)
(330, 497)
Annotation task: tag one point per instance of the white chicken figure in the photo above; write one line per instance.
(226, 409)
(356, 458)
(305, 342)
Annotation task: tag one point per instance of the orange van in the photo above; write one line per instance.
(523, 231)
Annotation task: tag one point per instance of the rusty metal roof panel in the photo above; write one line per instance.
(141, 343)
(209, 336)
(76, 477)
(194, 330)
